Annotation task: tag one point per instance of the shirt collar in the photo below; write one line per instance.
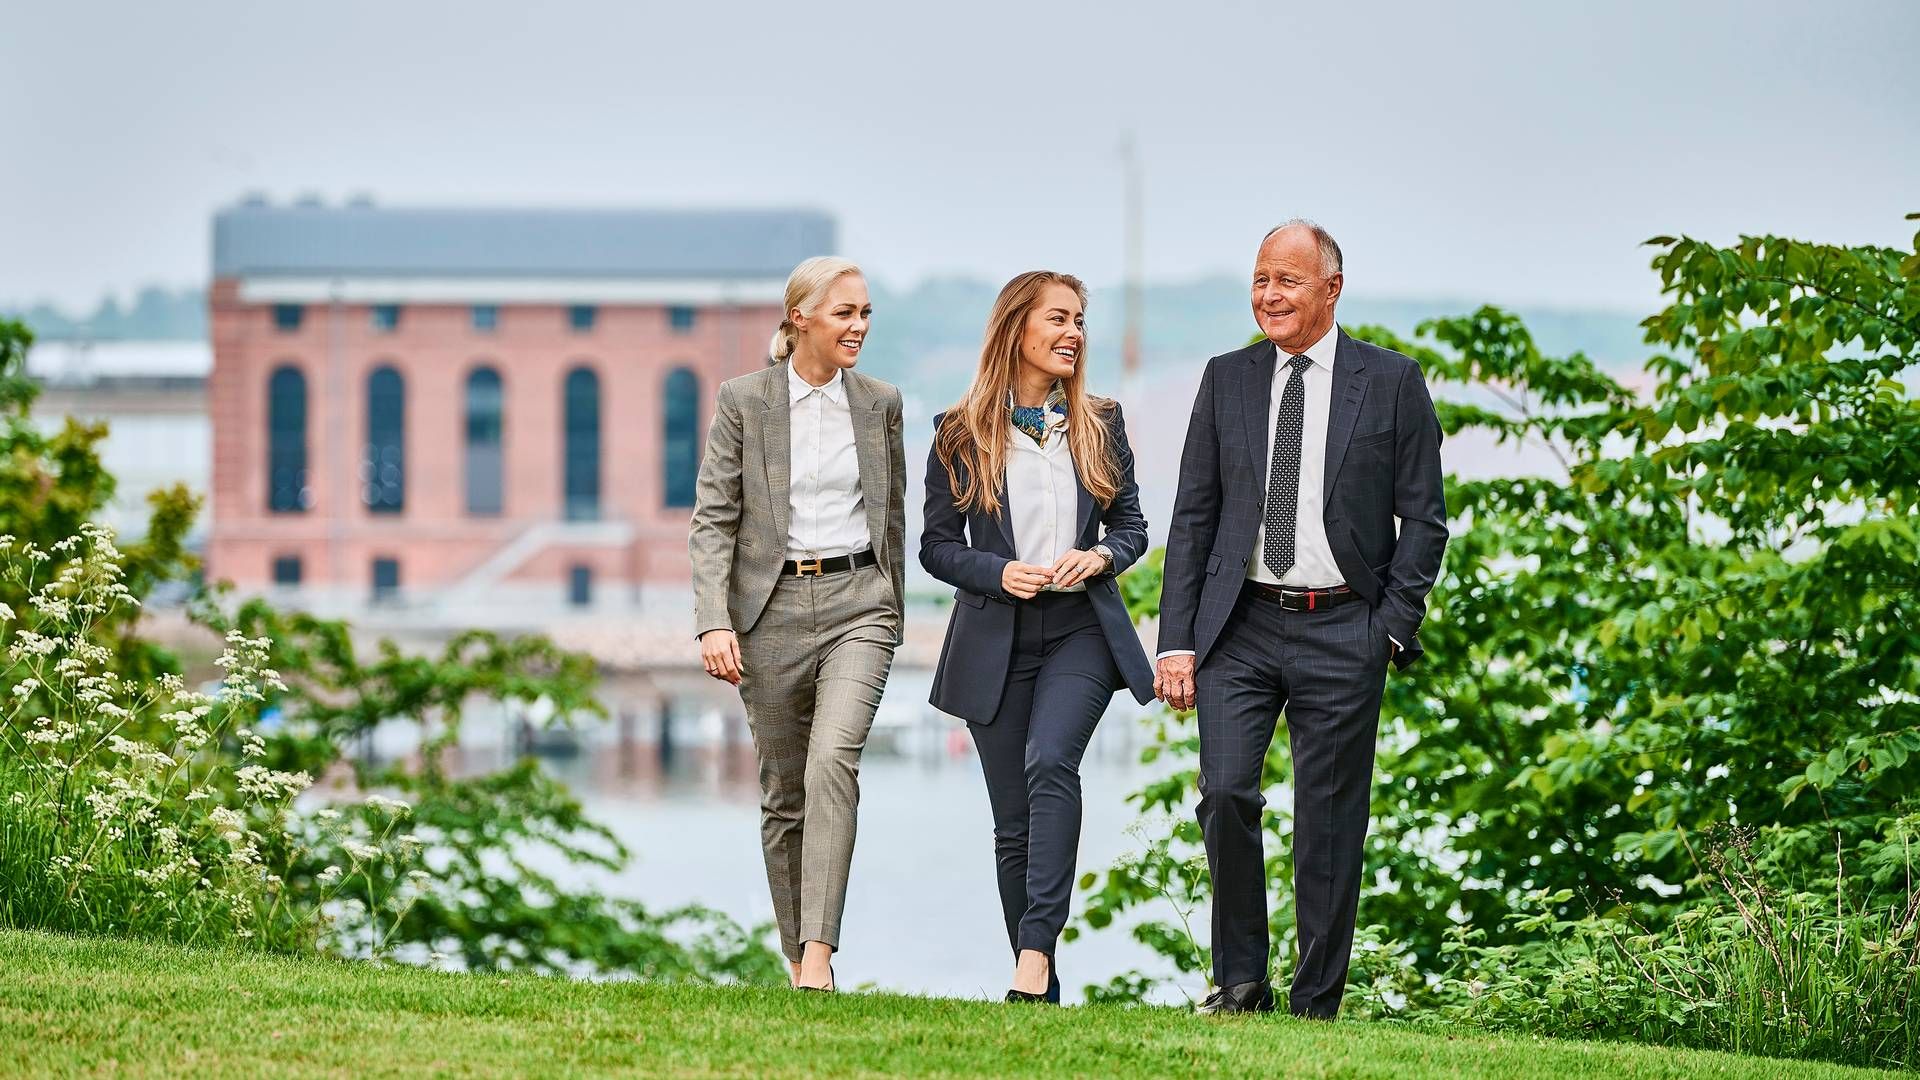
(1320, 352)
(797, 387)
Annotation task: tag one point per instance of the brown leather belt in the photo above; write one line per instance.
(1292, 599)
(839, 564)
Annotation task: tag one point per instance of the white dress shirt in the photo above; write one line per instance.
(827, 515)
(1313, 565)
(1043, 494)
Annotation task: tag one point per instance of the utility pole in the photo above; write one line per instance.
(1132, 229)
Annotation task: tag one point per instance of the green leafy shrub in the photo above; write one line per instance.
(131, 804)
(1749, 969)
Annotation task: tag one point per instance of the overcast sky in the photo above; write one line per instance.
(1509, 152)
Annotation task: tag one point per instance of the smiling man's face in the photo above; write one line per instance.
(1293, 295)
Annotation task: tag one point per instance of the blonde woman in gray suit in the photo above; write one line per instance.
(796, 544)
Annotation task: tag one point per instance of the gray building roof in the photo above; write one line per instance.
(254, 239)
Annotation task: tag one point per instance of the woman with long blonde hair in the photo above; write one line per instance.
(1031, 513)
(797, 538)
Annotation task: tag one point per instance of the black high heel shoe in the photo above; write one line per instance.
(1050, 997)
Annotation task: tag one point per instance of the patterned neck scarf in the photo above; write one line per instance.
(1032, 419)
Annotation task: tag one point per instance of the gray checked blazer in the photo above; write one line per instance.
(1383, 462)
(739, 534)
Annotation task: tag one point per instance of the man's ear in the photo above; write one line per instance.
(1335, 284)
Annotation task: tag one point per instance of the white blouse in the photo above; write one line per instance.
(826, 513)
(1043, 495)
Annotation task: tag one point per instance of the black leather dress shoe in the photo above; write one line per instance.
(1247, 997)
(1027, 998)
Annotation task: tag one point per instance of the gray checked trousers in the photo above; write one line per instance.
(811, 672)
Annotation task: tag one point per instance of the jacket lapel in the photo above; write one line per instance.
(1256, 397)
(1004, 519)
(776, 427)
(1349, 390)
(869, 448)
(1086, 508)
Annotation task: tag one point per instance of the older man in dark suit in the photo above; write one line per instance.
(1288, 587)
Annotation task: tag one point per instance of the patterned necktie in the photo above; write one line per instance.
(1283, 473)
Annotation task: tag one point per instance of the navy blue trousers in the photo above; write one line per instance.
(1060, 680)
(1327, 669)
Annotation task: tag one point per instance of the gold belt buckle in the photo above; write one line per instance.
(802, 567)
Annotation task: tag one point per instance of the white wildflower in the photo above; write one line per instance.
(391, 807)
(359, 851)
(260, 781)
(330, 875)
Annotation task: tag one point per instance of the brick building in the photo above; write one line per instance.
(477, 417)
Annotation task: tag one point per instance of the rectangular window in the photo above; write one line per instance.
(486, 474)
(486, 318)
(580, 586)
(286, 317)
(680, 318)
(286, 570)
(386, 318)
(386, 580)
(580, 317)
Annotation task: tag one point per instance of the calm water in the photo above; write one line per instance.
(922, 910)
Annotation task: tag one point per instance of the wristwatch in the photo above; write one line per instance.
(1106, 553)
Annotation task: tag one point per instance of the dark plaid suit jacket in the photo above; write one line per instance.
(1383, 462)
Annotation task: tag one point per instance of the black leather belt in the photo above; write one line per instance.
(1292, 599)
(839, 564)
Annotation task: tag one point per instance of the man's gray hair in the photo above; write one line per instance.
(1330, 263)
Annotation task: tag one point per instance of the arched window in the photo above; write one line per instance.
(383, 467)
(484, 459)
(680, 433)
(582, 450)
(287, 486)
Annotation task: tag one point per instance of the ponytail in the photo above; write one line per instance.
(783, 342)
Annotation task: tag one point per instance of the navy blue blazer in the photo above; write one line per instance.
(1383, 463)
(970, 549)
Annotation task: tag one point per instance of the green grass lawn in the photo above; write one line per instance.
(91, 1006)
